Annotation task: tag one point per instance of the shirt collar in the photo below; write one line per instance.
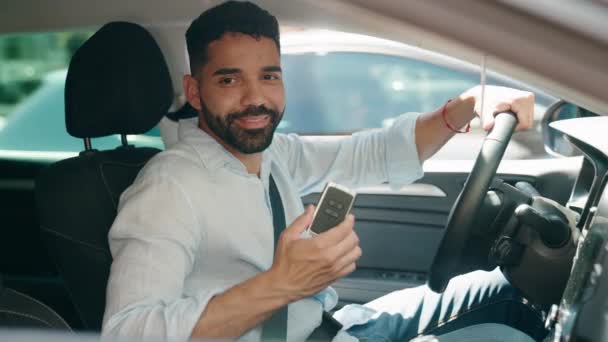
(212, 153)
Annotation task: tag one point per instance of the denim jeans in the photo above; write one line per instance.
(471, 299)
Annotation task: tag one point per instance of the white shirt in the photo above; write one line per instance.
(194, 223)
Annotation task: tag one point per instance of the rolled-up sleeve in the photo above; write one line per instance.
(403, 165)
(153, 242)
(365, 158)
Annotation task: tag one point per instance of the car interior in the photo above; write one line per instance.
(544, 222)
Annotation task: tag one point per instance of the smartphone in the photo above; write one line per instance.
(335, 203)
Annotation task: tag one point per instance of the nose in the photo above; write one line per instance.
(254, 95)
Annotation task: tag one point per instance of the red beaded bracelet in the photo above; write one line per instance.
(447, 124)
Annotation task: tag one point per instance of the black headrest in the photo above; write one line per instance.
(118, 83)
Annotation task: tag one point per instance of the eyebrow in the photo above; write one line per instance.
(273, 68)
(230, 71)
(227, 71)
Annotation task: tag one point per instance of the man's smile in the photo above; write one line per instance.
(254, 121)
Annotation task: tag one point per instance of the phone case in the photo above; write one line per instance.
(335, 203)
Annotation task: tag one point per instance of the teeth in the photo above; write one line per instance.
(255, 118)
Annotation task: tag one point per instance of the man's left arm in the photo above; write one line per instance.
(392, 154)
(432, 132)
(368, 157)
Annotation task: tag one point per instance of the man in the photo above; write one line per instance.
(193, 242)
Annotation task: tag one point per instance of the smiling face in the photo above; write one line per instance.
(239, 92)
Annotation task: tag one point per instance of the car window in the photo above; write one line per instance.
(327, 93)
(33, 68)
(344, 92)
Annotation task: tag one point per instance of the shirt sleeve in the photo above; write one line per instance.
(154, 235)
(365, 158)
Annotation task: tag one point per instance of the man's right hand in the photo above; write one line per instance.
(303, 267)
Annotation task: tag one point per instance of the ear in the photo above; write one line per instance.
(191, 90)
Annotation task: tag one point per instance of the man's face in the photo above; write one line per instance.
(239, 93)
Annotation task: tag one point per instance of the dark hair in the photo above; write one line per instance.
(231, 16)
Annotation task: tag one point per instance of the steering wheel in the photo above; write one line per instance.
(448, 261)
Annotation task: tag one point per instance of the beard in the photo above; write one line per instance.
(244, 140)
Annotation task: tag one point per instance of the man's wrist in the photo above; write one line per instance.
(276, 287)
(461, 110)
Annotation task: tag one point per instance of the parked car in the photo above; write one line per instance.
(339, 83)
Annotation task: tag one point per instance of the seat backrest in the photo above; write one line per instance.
(117, 83)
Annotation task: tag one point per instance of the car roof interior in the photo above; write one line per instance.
(429, 24)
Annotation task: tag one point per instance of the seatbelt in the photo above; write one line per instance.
(275, 328)
(278, 212)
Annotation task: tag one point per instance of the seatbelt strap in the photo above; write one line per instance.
(278, 212)
(275, 328)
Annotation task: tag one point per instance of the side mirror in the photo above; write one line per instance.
(554, 141)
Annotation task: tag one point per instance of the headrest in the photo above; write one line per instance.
(118, 83)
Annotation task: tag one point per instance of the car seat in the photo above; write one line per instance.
(117, 83)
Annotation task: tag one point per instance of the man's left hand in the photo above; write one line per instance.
(500, 99)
